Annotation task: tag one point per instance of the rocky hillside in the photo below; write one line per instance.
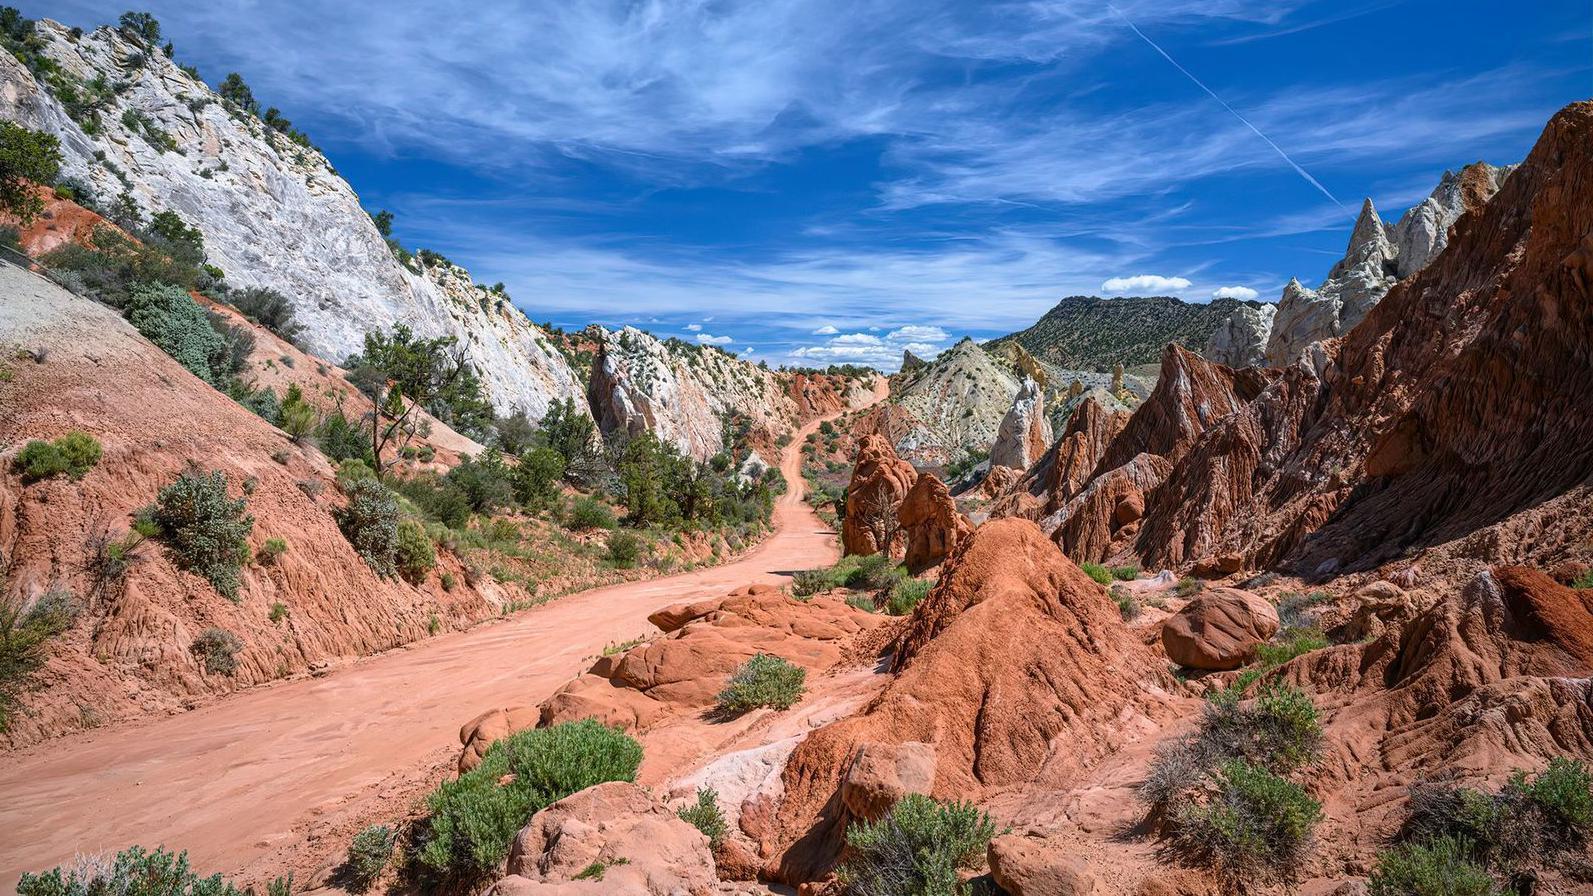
(1090, 333)
(945, 408)
(698, 398)
(1448, 423)
(272, 210)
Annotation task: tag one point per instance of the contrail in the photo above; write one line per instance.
(1231, 110)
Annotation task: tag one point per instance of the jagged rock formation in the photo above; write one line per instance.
(682, 393)
(932, 523)
(1067, 465)
(1453, 415)
(273, 213)
(1025, 431)
(910, 362)
(957, 402)
(1379, 255)
(1241, 339)
(880, 481)
(1013, 671)
(1091, 333)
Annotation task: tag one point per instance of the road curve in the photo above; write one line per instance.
(229, 780)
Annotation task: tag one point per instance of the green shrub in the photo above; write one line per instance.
(862, 602)
(474, 818)
(279, 611)
(1294, 608)
(368, 853)
(1584, 581)
(589, 513)
(295, 416)
(906, 594)
(1257, 822)
(271, 550)
(206, 532)
(1439, 867)
(413, 553)
(266, 307)
(1278, 729)
(134, 872)
(217, 650)
(1188, 587)
(1529, 821)
(704, 815)
(370, 523)
(169, 317)
(74, 454)
(1564, 793)
(1127, 606)
(24, 636)
(1292, 643)
(915, 849)
(537, 478)
(1125, 573)
(624, 549)
(808, 582)
(1096, 571)
(764, 680)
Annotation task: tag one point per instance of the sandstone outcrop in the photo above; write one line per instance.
(931, 522)
(1025, 432)
(1027, 865)
(706, 642)
(1012, 670)
(1241, 339)
(273, 213)
(643, 848)
(880, 481)
(1379, 255)
(1220, 629)
(880, 774)
(1067, 465)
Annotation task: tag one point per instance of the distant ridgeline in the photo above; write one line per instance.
(1092, 333)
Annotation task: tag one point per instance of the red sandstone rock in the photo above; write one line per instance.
(1026, 865)
(931, 522)
(880, 480)
(881, 774)
(495, 724)
(1218, 630)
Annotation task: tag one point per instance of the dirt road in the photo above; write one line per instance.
(235, 780)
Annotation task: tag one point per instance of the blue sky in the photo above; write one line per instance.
(833, 180)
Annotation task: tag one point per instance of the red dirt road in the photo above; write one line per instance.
(231, 781)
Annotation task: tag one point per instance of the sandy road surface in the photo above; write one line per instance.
(231, 780)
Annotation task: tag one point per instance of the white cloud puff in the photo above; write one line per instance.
(710, 339)
(917, 333)
(1145, 283)
(694, 328)
(826, 330)
(1243, 293)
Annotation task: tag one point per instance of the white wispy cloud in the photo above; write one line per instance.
(1244, 293)
(710, 339)
(826, 330)
(1146, 283)
(693, 328)
(917, 333)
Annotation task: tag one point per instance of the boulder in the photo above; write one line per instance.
(1027, 865)
(882, 773)
(1025, 431)
(645, 849)
(880, 480)
(495, 724)
(932, 523)
(1219, 630)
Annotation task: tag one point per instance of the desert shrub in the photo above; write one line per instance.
(217, 650)
(73, 454)
(1125, 573)
(862, 602)
(368, 853)
(341, 439)
(268, 308)
(108, 558)
(24, 635)
(874, 573)
(437, 498)
(589, 513)
(906, 594)
(915, 849)
(474, 818)
(414, 555)
(370, 523)
(169, 317)
(485, 481)
(271, 550)
(537, 478)
(295, 416)
(764, 680)
(1294, 608)
(1585, 580)
(807, 582)
(205, 531)
(1278, 729)
(704, 815)
(1127, 606)
(624, 549)
(1442, 866)
(133, 872)
(1528, 821)
(1257, 822)
(279, 611)
(1291, 643)
(1096, 571)
(1188, 587)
